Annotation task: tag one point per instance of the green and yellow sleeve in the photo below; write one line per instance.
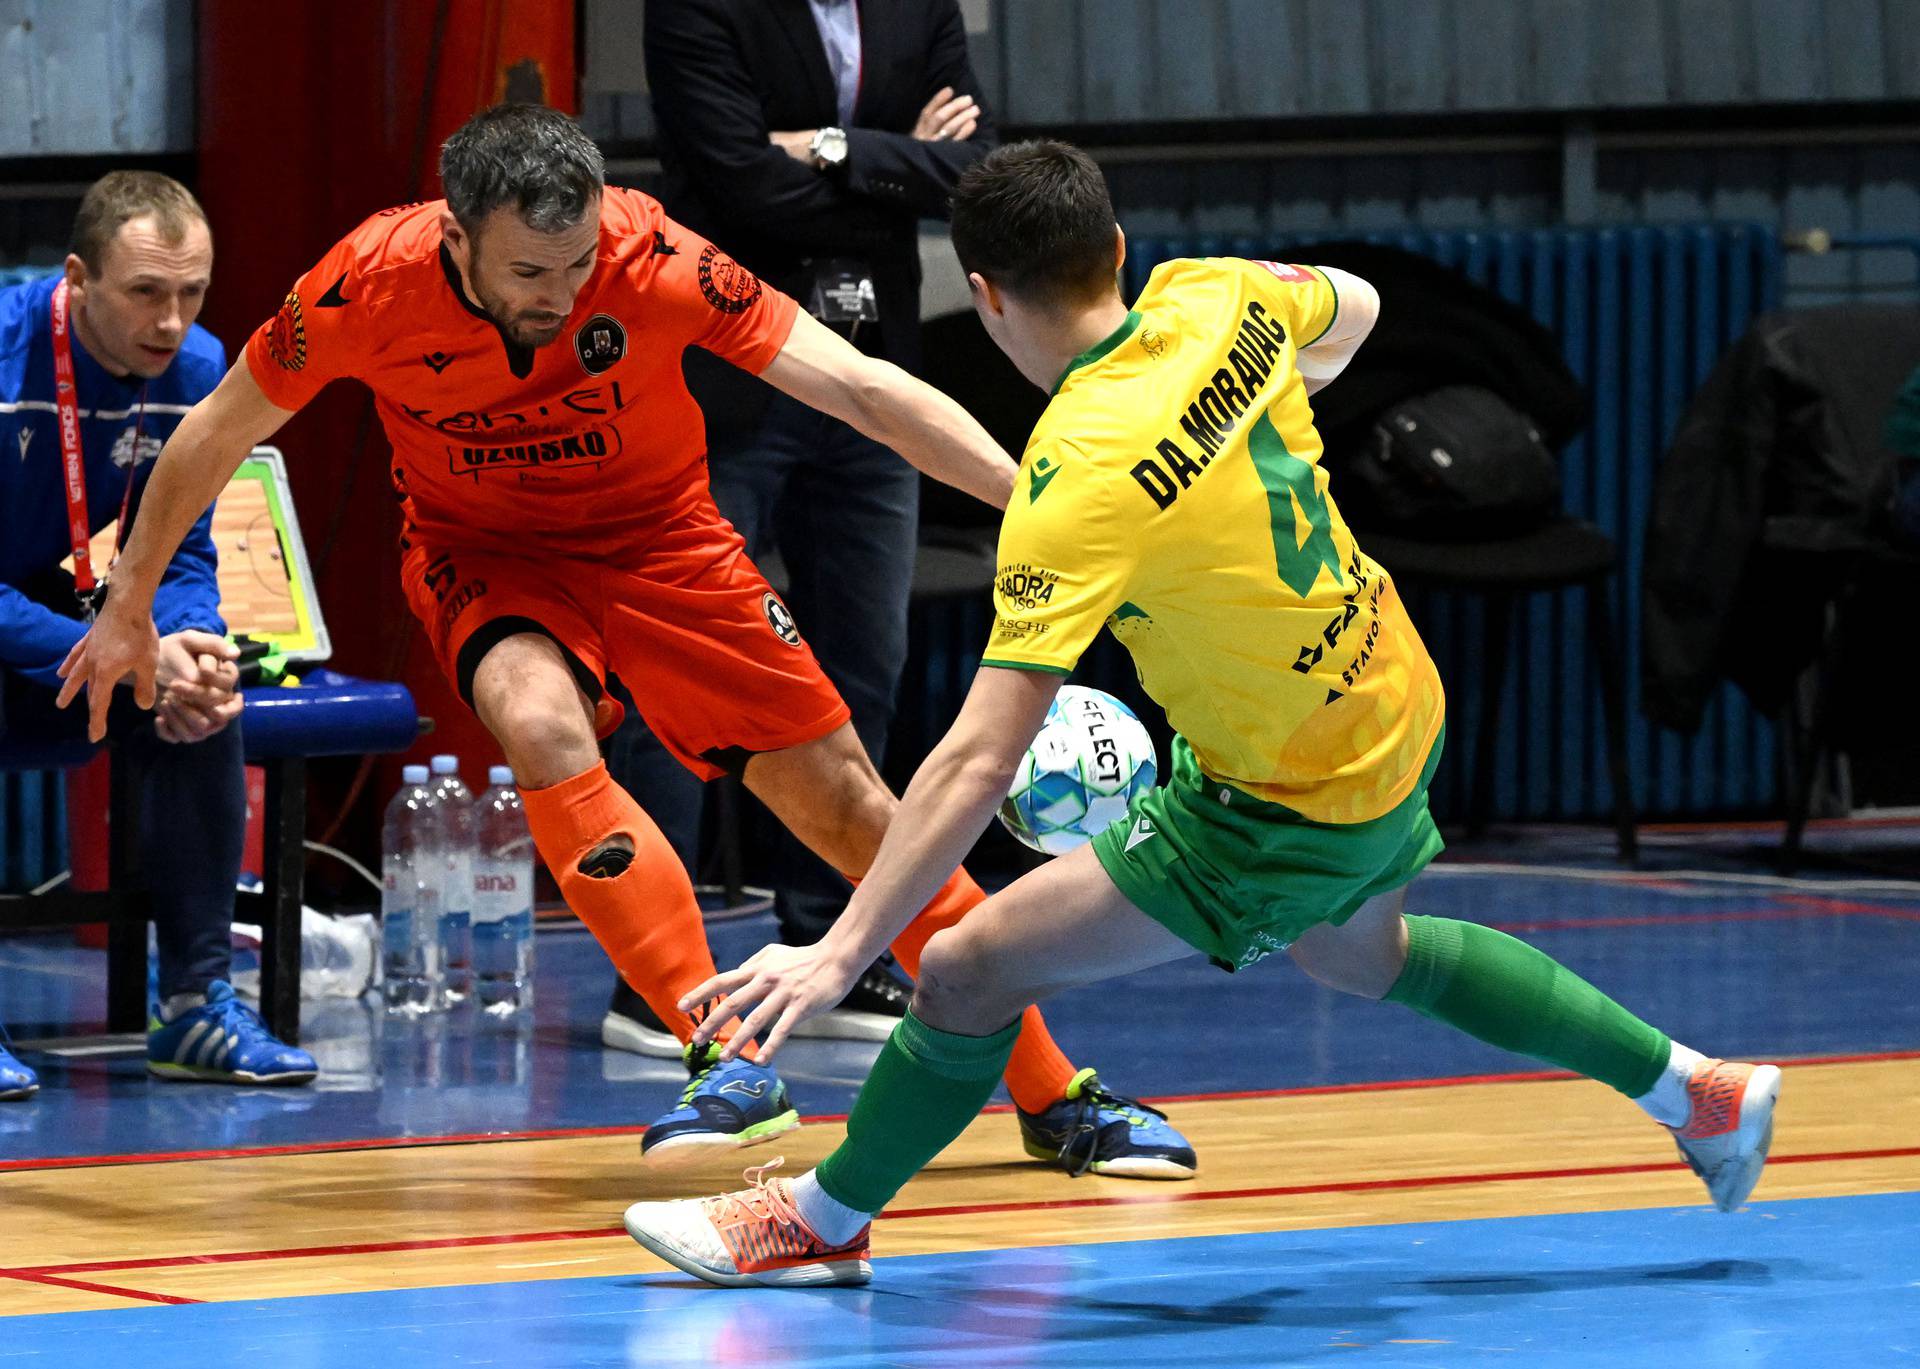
(1064, 564)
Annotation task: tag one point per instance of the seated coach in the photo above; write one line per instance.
(97, 365)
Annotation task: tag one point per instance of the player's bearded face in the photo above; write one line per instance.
(528, 280)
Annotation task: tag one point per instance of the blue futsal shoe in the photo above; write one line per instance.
(726, 1103)
(1092, 1131)
(16, 1080)
(225, 1042)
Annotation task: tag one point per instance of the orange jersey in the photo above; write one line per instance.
(576, 447)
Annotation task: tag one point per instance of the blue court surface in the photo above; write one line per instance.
(1804, 1283)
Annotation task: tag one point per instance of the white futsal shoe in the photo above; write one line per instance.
(1729, 1127)
(753, 1236)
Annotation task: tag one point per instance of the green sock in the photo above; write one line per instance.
(1507, 994)
(925, 1087)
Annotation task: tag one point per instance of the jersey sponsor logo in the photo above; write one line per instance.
(556, 418)
(600, 343)
(436, 361)
(1153, 342)
(130, 448)
(1025, 586)
(1216, 411)
(287, 335)
(661, 247)
(1044, 469)
(780, 619)
(728, 286)
(333, 299)
(1142, 830)
(1010, 630)
(590, 449)
(1297, 275)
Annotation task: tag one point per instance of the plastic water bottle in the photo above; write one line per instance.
(454, 802)
(412, 861)
(503, 897)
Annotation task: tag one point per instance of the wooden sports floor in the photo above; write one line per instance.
(1371, 1187)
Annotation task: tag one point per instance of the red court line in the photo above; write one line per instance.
(569, 1133)
(1839, 907)
(304, 1252)
(1807, 907)
(46, 1272)
(38, 1277)
(1370, 1185)
(320, 1147)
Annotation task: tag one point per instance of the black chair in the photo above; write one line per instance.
(1562, 554)
(123, 906)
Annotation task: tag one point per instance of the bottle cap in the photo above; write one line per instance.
(500, 774)
(446, 765)
(413, 774)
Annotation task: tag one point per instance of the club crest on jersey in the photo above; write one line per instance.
(600, 343)
(287, 335)
(728, 286)
(780, 619)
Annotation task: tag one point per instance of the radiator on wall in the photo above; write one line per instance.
(1642, 315)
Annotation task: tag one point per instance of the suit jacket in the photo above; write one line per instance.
(724, 73)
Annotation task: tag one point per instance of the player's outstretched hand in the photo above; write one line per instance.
(121, 643)
(774, 991)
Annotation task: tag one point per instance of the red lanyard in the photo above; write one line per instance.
(72, 463)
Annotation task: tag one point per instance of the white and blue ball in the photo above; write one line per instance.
(1090, 757)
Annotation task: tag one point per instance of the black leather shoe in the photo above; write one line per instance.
(869, 1012)
(630, 1025)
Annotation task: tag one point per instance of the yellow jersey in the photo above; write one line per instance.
(1172, 491)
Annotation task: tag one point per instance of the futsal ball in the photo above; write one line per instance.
(1091, 756)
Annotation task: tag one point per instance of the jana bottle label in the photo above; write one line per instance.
(500, 890)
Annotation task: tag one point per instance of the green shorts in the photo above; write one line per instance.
(1238, 879)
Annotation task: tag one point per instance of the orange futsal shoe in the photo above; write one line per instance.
(1729, 1127)
(753, 1236)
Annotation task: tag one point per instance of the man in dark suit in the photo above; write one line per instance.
(808, 138)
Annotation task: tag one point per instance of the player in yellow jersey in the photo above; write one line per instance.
(1172, 492)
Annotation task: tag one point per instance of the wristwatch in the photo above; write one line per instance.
(828, 148)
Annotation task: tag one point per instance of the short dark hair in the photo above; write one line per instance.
(120, 196)
(530, 158)
(1036, 220)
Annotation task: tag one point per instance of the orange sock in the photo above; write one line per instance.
(645, 917)
(1038, 1074)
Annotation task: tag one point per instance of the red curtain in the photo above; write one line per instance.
(311, 117)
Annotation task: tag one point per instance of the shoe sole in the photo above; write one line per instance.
(1126, 1167)
(1762, 1093)
(19, 1095)
(815, 1274)
(624, 1034)
(689, 1147)
(190, 1074)
(841, 1025)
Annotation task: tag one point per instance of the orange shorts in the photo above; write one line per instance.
(687, 623)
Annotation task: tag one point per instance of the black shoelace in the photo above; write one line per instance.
(1092, 1099)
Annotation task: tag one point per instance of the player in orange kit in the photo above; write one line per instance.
(558, 530)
